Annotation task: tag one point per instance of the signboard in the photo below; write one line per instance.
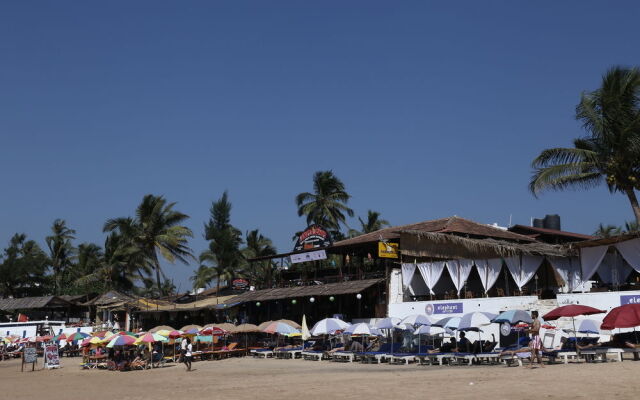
(240, 283)
(629, 299)
(29, 356)
(310, 256)
(387, 250)
(443, 308)
(51, 359)
(314, 237)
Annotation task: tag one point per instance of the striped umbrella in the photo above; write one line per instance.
(59, 337)
(150, 338)
(77, 336)
(280, 328)
(122, 340)
(213, 331)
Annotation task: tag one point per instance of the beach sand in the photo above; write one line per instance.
(248, 378)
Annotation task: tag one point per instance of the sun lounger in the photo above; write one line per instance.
(343, 356)
(402, 358)
(385, 352)
(489, 358)
(313, 355)
(264, 353)
(463, 358)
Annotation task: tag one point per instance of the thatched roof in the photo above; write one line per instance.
(439, 245)
(31, 303)
(109, 298)
(452, 225)
(330, 289)
(606, 241)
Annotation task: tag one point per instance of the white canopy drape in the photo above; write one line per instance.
(408, 269)
(613, 269)
(523, 268)
(489, 271)
(569, 271)
(590, 259)
(459, 271)
(630, 250)
(431, 273)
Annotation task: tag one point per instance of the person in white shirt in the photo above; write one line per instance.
(188, 353)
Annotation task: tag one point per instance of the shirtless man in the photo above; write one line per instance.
(536, 343)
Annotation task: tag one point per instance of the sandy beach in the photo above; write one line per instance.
(246, 378)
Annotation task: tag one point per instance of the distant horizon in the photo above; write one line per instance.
(424, 111)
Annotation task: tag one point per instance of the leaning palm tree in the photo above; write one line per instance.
(156, 229)
(202, 277)
(610, 152)
(372, 224)
(327, 205)
(61, 251)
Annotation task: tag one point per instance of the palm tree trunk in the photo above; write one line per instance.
(157, 267)
(217, 289)
(631, 194)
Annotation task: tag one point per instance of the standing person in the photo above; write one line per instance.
(187, 354)
(183, 349)
(536, 343)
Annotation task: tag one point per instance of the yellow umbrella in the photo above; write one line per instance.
(163, 332)
(95, 340)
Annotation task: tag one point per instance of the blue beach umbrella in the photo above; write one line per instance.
(513, 317)
(448, 322)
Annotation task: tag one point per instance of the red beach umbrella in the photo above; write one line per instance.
(212, 330)
(626, 316)
(571, 310)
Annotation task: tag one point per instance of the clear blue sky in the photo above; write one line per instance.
(423, 110)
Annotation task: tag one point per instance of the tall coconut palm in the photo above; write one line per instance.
(260, 246)
(61, 251)
(327, 205)
(224, 254)
(372, 224)
(202, 277)
(156, 229)
(610, 152)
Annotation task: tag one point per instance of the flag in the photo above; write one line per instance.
(305, 330)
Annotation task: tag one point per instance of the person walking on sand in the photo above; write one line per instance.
(536, 343)
(187, 354)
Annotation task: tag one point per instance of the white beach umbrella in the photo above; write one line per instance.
(362, 329)
(448, 322)
(474, 321)
(387, 323)
(416, 319)
(429, 330)
(328, 326)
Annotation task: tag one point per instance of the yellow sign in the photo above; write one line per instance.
(387, 250)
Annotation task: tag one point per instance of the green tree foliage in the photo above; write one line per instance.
(327, 205)
(263, 272)
(610, 152)
(61, 253)
(605, 231)
(156, 229)
(23, 266)
(224, 254)
(372, 224)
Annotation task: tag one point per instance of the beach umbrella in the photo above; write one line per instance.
(150, 338)
(264, 325)
(163, 332)
(304, 330)
(159, 328)
(626, 316)
(473, 321)
(190, 328)
(280, 328)
(387, 323)
(247, 328)
(225, 326)
(292, 323)
(448, 322)
(429, 330)
(588, 326)
(213, 331)
(328, 326)
(571, 311)
(59, 337)
(94, 340)
(101, 334)
(77, 336)
(362, 329)
(127, 333)
(513, 317)
(416, 319)
(122, 340)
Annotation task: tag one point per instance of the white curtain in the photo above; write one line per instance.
(459, 271)
(590, 259)
(613, 269)
(523, 268)
(489, 271)
(408, 269)
(569, 271)
(431, 273)
(630, 250)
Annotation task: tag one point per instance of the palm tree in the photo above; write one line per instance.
(156, 228)
(202, 277)
(605, 231)
(260, 246)
(327, 205)
(631, 227)
(61, 251)
(224, 253)
(610, 152)
(373, 223)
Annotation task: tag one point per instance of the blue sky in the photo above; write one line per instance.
(424, 110)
